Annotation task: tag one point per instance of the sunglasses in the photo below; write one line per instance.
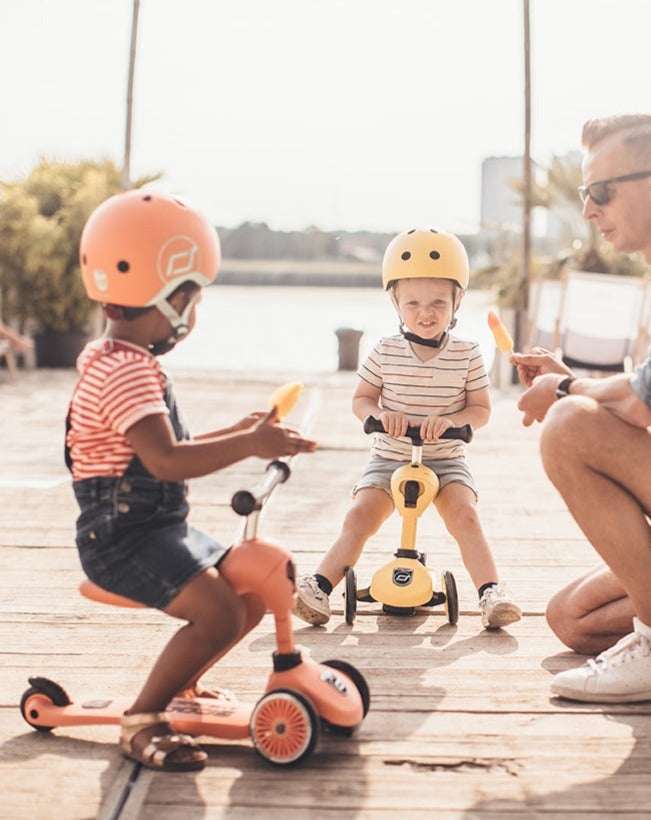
(599, 192)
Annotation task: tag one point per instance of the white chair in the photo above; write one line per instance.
(544, 313)
(601, 320)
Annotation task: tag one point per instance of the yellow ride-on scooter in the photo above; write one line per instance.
(406, 583)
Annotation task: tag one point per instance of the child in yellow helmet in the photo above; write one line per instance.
(146, 257)
(425, 377)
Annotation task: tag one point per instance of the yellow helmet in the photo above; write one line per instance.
(425, 252)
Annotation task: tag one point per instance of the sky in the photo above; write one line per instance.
(339, 114)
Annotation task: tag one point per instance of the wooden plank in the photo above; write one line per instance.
(461, 721)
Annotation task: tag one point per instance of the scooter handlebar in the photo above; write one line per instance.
(464, 433)
(244, 502)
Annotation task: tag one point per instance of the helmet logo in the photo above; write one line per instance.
(101, 279)
(177, 257)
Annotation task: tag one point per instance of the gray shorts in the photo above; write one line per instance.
(378, 473)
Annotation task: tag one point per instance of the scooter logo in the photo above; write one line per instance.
(335, 681)
(402, 576)
(178, 256)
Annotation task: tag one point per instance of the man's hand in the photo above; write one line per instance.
(536, 363)
(536, 401)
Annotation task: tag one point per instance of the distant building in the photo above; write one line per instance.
(501, 205)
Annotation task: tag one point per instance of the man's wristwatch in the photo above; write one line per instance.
(563, 388)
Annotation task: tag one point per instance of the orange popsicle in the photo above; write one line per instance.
(502, 336)
(285, 397)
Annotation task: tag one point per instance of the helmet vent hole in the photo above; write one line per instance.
(123, 266)
(147, 198)
(434, 255)
(406, 255)
(83, 259)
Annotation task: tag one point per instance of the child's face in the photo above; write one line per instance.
(425, 305)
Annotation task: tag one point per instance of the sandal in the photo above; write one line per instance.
(216, 693)
(162, 751)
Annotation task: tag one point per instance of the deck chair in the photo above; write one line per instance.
(601, 320)
(7, 353)
(544, 313)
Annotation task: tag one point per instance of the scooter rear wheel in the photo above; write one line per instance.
(451, 597)
(350, 596)
(284, 727)
(40, 690)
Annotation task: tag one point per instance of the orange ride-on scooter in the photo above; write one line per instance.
(405, 583)
(300, 697)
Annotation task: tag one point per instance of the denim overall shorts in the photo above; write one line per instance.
(132, 534)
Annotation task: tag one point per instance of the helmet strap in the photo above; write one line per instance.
(413, 337)
(180, 324)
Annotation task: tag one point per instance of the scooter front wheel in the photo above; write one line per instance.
(350, 596)
(451, 597)
(284, 727)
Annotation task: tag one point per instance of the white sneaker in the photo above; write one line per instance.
(312, 604)
(621, 674)
(498, 608)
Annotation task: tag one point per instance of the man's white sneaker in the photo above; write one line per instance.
(498, 608)
(621, 674)
(312, 604)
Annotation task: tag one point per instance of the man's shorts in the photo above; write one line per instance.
(378, 473)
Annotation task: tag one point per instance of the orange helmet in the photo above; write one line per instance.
(137, 247)
(424, 253)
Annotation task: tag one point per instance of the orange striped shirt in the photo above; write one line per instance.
(120, 384)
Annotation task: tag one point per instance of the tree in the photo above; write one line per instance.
(41, 220)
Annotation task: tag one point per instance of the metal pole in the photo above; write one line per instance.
(523, 291)
(526, 214)
(126, 167)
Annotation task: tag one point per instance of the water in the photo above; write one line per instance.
(292, 329)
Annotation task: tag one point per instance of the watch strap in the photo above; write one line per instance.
(563, 388)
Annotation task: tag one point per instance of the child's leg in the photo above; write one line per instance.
(457, 506)
(254, 611)
(216, 619)
(370, 509)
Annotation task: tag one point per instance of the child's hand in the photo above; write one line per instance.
(433, 426)
(394, 423)
(273, 440)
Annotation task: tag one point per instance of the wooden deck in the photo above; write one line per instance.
(461, 722)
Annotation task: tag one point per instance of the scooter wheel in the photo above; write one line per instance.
(284, 727)
(42, 689)
(357, 678)
(451, 597)
(350, 596)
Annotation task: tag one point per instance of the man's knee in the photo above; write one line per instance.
(569, 426)
(565, 622)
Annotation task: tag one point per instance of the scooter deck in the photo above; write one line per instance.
(196, 716)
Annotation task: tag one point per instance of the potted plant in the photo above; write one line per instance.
(41, 219)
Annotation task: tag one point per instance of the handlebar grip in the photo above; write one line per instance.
(464, 433)
(244, 502)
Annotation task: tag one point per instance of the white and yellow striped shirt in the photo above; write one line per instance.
(418, 389)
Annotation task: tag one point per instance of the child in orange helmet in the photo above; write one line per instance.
(146, 257)
(423, 377)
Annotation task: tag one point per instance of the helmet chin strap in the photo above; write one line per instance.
(419, 340)
(180, 325)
